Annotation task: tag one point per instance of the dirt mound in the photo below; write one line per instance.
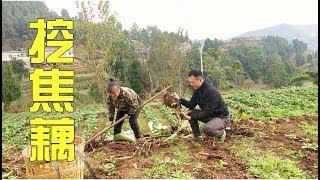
(210, 155)
(129, 164)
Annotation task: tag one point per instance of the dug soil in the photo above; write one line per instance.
(133, 158)
(129, 155)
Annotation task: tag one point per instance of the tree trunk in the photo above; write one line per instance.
(179, 79)
(235, 81)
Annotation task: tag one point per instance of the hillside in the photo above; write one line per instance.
(305, 33)
(15, 22)
(253, 41)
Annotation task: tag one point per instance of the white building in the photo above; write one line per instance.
(10, 55)
(50, 50)
(23, 55)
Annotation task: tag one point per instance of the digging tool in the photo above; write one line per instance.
(123, 118)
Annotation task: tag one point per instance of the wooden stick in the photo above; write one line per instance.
(152, 98)
(203, 153)
(210, 155)
(126, 157)
(123, 118)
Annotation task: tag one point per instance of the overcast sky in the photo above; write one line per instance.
(222, 19)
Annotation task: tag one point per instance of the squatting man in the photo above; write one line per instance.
(213, 111)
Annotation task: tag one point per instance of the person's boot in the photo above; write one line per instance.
(222, 138)
(191, 137)
(228, 126)
(198, 139)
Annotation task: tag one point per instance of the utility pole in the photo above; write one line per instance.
(201, 64)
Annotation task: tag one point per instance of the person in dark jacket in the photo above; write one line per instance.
(126, 101)
(213, 111)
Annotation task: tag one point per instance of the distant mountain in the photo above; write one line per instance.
(305, 33)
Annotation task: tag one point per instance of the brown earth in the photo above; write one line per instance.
(129, 155)
(274, 138)
(208, 155)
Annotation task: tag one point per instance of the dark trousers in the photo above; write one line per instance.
(133, 121)
(212, 127)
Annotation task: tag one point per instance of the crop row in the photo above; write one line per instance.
(168, 114)
(276, 103)
(151, 117)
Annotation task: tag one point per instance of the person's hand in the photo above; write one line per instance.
(126, 116)
(110, 122)
(189, 111)
(185, 116)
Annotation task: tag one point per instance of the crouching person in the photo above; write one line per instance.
(213, 111)
(126, 101)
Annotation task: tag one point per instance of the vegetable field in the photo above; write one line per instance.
(274, 104)
(274, 134)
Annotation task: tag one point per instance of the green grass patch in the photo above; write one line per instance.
(309, 129)
(268, 166)
(259, 134)
(264, 164)
(99, 155)
(220, 165)
(312, 146)
(158, 171)
(181, 154)
(168, 167)
(198, 145)
(292, 153)
(179, 174)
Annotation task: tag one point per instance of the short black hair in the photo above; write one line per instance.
(195, 73)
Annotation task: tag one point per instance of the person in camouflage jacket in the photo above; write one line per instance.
(126, 101)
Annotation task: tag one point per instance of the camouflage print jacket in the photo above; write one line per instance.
(126, 101)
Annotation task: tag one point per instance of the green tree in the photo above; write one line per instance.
(299, 46)
(211, 47)
(213, 73)
(297, 80)
(315, 55)
(116, 64)
(290, 68)
(248, 83)
(98, 39)
(65, 14)
(137, 77)
(309, 58)
(236, 67)
(11, 87)
(233, 69)
(276, 74)
(18, 67)
(313, 76)
(94, 92)
(300, 60)
(275, 44)
(306, 76)
(166, 59)
(194, 56)
(252, 58)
